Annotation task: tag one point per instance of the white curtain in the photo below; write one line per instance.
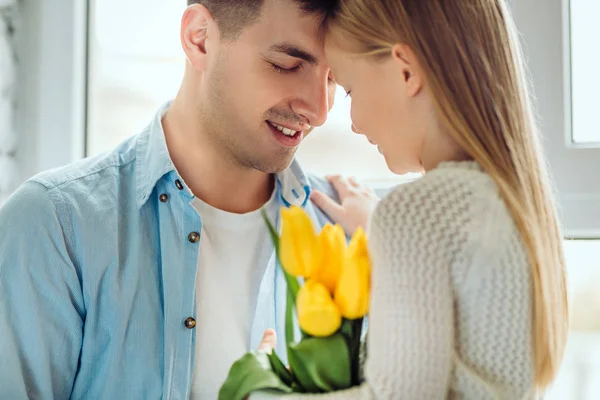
(9, 174)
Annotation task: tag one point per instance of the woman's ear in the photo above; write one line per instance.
(196, 25)
(408, 66)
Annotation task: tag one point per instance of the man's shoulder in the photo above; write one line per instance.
(82, 185)
(321, 184)
(86, 172)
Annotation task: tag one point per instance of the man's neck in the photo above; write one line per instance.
(215, 180)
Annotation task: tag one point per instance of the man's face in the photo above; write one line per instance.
(263, 92)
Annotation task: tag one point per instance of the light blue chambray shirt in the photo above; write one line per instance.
(97, 276)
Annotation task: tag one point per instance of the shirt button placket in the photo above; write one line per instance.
(193, 237)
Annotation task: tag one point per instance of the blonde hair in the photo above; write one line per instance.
(472, 60)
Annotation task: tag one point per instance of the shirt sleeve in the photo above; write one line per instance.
(41, 301)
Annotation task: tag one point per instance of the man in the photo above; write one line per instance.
(144, 273)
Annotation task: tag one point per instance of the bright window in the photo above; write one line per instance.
(585, 64)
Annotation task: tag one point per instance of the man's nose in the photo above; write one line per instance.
(312, 102)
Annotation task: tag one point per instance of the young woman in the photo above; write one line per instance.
(468, 283)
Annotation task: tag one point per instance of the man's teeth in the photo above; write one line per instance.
(285, 131)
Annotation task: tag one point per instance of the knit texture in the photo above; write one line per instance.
(450, 314)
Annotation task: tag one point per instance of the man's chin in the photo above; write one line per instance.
(274, 166)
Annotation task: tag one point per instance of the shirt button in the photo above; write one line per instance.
(179, 184)
(163, 198)
(194, 237)
(190, 323)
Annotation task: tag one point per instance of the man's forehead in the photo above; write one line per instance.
(295, 51)
(284, 26)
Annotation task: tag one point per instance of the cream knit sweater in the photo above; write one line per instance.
(450, 314)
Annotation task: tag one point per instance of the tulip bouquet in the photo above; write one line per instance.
(328, 284)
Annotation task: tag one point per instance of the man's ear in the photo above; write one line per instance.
(197, 24)
(409, 67)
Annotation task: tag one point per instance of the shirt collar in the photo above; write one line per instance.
(293, 185)
(153, 162)
(152, 157)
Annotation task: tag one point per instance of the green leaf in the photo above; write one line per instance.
(289, 319)
(272, 232)
(347, 330)
(250, 373)
(292, 282)
(279, 368)
(321, 364)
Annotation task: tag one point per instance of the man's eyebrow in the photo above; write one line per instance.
(294, 51)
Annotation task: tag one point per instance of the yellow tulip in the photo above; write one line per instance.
(299, 249)
(354, 285)
(333, 245)
(317, 313)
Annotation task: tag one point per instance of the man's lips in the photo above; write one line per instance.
(287, 128)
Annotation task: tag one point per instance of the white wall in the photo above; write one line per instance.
(9, 173)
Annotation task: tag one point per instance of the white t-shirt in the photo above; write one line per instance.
(231, 263)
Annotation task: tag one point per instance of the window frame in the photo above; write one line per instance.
(52, 70)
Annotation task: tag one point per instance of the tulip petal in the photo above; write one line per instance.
(317, 313)
(333, 246)
(353, 288)
(300, 252)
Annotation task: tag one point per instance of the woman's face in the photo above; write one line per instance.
(389, 106)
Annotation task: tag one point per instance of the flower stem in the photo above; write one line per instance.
(355, 350)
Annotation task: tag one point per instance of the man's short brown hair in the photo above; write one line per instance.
(233, 16)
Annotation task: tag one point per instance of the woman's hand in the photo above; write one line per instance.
(267, 344)
(357, 202)
(269, 341)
